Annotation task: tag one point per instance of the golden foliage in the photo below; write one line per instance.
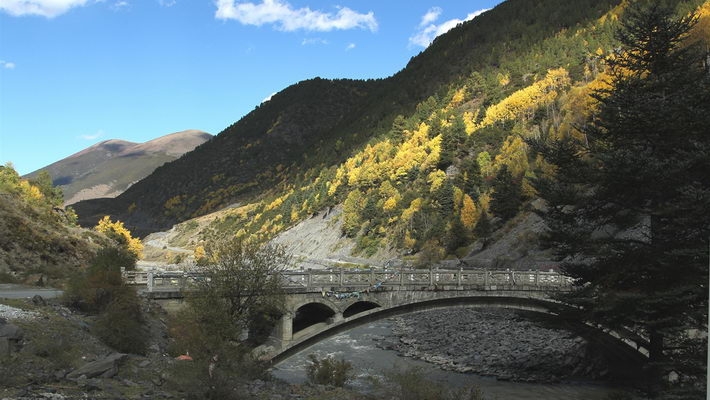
(514, 155)
(414, 207)
(469, 214)
(469, 120)
(122, 236)
(701, 30)
(199, 254)
(523, 103)
(579, 105)
(435, 180)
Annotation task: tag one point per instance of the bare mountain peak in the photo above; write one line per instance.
(107, 168)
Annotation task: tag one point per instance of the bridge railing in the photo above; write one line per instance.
(411, 279)
(403, 279)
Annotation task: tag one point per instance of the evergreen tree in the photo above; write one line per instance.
(452, 139)
(469, 178)
(507, 195)
(628, 207)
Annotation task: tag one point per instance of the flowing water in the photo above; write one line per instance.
(359, 347)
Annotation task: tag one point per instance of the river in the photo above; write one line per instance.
(371, 363)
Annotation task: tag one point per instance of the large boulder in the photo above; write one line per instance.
(104, 368)
(10, 337)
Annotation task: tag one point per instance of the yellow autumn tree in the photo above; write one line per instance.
(514, 155)
(200, 255)
(469, 214)
(122, 236)
(523, 103)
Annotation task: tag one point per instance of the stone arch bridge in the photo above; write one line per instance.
(320, 303)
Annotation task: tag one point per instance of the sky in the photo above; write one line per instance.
(74, 73)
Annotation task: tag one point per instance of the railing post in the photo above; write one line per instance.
(150, 281)
(431, 276)
(537, 277)
(458, 277)
(342, 273)
(485, 279)
(401, 279)
(309, 281)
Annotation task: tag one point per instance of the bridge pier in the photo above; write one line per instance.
(284, 331)
(336, 318)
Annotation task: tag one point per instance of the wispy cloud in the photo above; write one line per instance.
(7, 64)
(350, 46)
(167, 3)
(428, 30)
(120, 5)
(313, 41)
(283, 16)
(98, 134)
(44, 8)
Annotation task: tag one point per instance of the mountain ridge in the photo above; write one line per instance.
(108, 168)
(223, 172)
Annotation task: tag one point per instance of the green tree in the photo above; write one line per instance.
(628, 207)
(452, 139)
(241, 284)
(52, 194)
(469, 178)
(507, 195)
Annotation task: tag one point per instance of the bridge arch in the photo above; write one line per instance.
(310, 314)
(374, 309)
(358, 307)
(306, 338)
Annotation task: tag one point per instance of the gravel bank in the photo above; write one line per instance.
(11, 313)
(499, 343)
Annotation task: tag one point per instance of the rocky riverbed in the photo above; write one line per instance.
(501, 343)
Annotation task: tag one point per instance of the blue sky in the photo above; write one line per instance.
(77, 72)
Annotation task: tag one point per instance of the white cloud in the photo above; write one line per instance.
(431, 16)
(428, 30)
(284, 17)
(95, 136)
(7, 64)
(44, 8)
(167, 3)
(350, 47)
(120, 5)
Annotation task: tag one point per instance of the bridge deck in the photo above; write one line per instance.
(347, 281)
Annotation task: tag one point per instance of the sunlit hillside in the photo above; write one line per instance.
(436, 179)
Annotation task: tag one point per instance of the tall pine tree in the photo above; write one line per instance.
(628, 209)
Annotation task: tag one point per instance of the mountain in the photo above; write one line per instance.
(432, 162)
(108, 168)
(317, 123)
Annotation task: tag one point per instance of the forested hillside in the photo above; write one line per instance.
(39, 240)
(427, 161)
(316, 124)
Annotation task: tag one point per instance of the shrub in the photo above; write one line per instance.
(411, 384)
(92, 290)
(328, 371)
(121, 325)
